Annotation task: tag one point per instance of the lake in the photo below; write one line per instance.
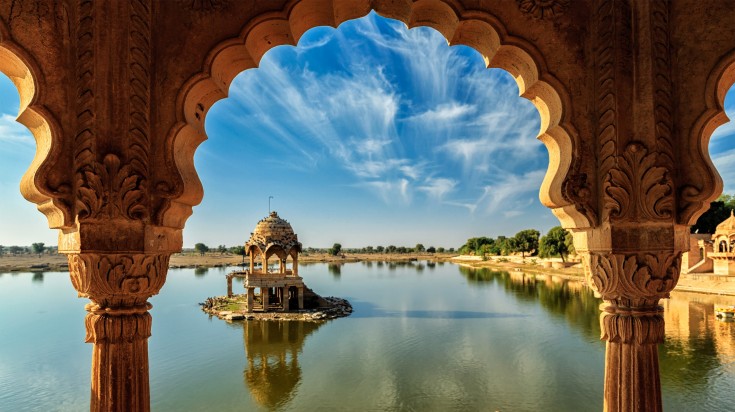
(423, 337)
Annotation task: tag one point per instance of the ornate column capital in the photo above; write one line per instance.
(118, 283)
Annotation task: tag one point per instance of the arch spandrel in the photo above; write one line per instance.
(39, 185)
(701, 182)
(478, 29)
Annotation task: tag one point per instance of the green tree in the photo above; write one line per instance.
(419, 248)
(38, 248)
(719, 210)
(369, 249)
(238, 250)
(2, 249)
(431, 249)
(474, 244)
(335, 250)
(554, 243)
(569, 241)
(379, 249)
(391, 249)
(14, 250)
(201, 248)
(222, 249)
(526, 241)
(440, 250)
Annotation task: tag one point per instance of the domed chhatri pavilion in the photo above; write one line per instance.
(723, 245)
(280, 288)
(712, 254)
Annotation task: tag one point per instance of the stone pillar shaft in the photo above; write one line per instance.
(631, 286)
(118, 323)
(265, 297)
(632, 381)
(119, 358)
(251, 293)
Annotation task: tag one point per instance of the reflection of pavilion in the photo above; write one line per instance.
(282, 288)
(272, 350)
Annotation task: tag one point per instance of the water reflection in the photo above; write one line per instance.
(698, 347)
(272, 350)
(565, 298)
(335, 269)
(37, 277)
(201, 271)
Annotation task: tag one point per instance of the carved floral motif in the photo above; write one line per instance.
(118, 280)
(110, 190)
(205, 5)
(639, 328)
(542, 9)
(636, 189)
(635, 280)
(577, 189)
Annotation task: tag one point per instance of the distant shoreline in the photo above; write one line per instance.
(530, 265)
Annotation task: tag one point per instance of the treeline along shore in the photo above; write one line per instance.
(55, 262)
(532, 266)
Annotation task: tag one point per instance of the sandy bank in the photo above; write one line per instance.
(715, 285)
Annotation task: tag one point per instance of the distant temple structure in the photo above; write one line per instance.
(280, 288)
(712, 253)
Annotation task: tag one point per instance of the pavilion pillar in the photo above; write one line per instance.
(229, 286)
(265, 297)
(251, 298)
(252, 262)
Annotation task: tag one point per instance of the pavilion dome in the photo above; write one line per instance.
(273, 231)
(728, 225)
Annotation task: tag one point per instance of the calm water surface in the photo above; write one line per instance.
(423, 337)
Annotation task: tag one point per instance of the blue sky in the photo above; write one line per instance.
(370, 134)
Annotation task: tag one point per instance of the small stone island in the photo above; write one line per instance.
(282, 293)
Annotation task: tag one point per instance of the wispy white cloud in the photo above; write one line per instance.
(438, 188)
(512, 192)
(13, 135)
(447, 112)
(391, 191)
(725, 131)
(401, 112)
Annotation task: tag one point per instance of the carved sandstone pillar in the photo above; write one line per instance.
(631, 285)
(638, 229)
(116, 182)
(118, 323)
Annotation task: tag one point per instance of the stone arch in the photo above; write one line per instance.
(719, 82)
(479, 30)
(27, 77)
